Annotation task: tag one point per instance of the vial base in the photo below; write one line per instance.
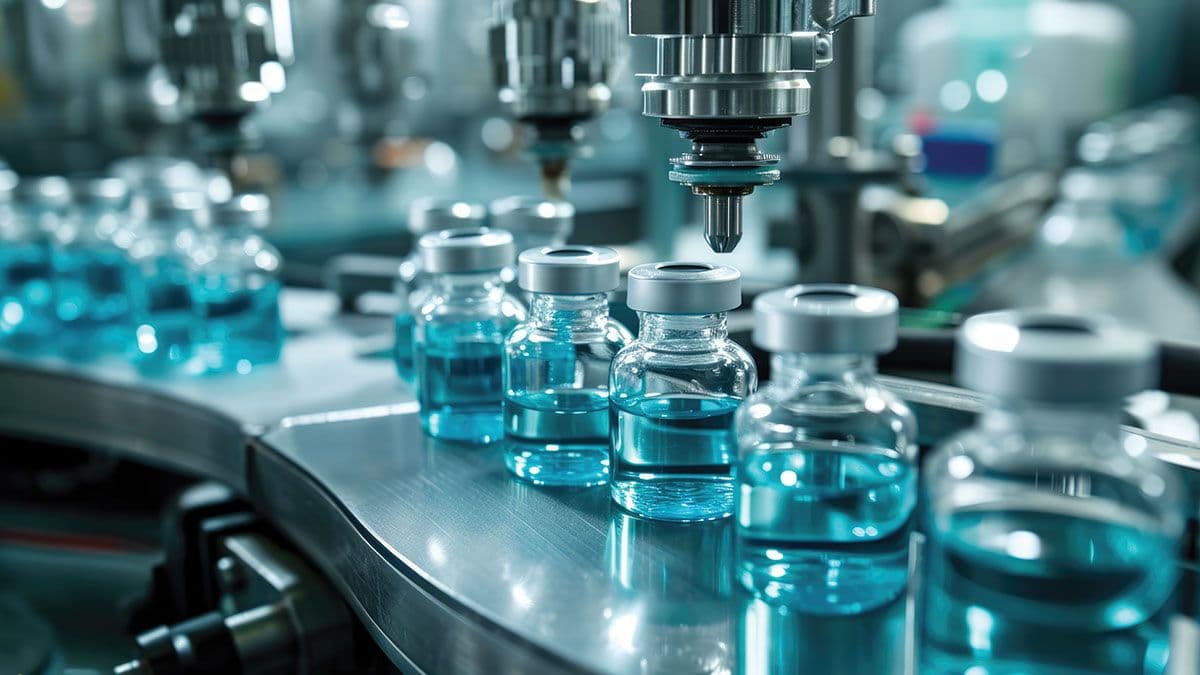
(170, 323)
(1008, 589)
(402, 352)
(242, 327)
(461, 392)
(27, 317)
(671, 457)
(558, 438)
(92, 296)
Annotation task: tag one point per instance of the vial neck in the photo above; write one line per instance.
(682, 330)
(471, 285)
(1035, 420)
(802, 370)
(569, 312)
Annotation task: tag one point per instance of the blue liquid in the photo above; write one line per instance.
(27, 317)
(558, 437)
(168, 318)
(404, 351)
(671, 456)
(824, 527)
(1020, 591)
(93, 299)
(242, 326)
(460, 383)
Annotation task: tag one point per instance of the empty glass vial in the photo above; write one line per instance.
(166, 315)
(1052, 534)
(556, 367)
(460, 334)
(674, 392)
(534, 222)
(827, 469)
(237, 288)
(426, 216)
(93, 274)
(27, 322)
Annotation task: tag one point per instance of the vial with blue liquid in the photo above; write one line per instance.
(237, 288)
(426, 216)
(27, 316)
(94, 277)
(827, 467)
(674, 391)
(556, 365)
(167, 317)
(460, 334)
(1052, 535)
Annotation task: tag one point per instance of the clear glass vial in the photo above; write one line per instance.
(533, 222)
(460, 334)
(674, 391)
(556, 367)
(167, 317)
(426, 215)
(1052, 534)
(93, 275)
(827, 468)
(237, 288)
(27, 317)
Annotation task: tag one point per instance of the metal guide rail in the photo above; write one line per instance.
(452, 565)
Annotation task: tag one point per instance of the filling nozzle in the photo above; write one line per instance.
(723, 221)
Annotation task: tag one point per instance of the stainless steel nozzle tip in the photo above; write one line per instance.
(722, 222)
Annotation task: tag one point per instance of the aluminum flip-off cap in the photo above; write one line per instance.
(45, 192)
(429, 214)
(8, 185)
(101, 191)
(244, 210)
(827, 319)
(569, 270)
(1054, 358)
(186, 206)
(684, 288)
(472, 249)
(521, 215)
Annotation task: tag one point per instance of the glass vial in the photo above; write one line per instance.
(674, 391)
(460, 333)
(426, 216)
(827, 469)
(27, 316)
(237, 288)
(534, 222)
(1051, 534)
(93, 275)
(556, 367)
(166, 315)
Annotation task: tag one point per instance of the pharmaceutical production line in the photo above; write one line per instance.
(388, 336)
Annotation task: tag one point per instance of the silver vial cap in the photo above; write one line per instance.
(684, 288)
(8, 185)
(101, 192)
(521, 215)
(429, 214)
(188, 207)
(569, 270)
(160, 174)
(244, 210)
(472, 249)
(46, 192)
(827, 319)
(1054, 358)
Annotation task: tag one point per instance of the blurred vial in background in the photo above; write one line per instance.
(460, 334)
(532, 222)
(237, 288)
(827, 475)
(30, 212)
(1052, 535)
(167, 317)
(426, 216)
(556, 367)
(93, 275)
(674, 392)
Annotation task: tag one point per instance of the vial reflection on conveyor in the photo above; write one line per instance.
(677, 581)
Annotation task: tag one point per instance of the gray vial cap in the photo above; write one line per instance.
(430, 214)
(244, 210)
(46, 192)
(569, 270)
(473, 249)
(101, 192)
(186, 207)
(684, 288)
(530, 215)
(827, 319)
(8, 185)
(1054, 358)
(167, 174)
